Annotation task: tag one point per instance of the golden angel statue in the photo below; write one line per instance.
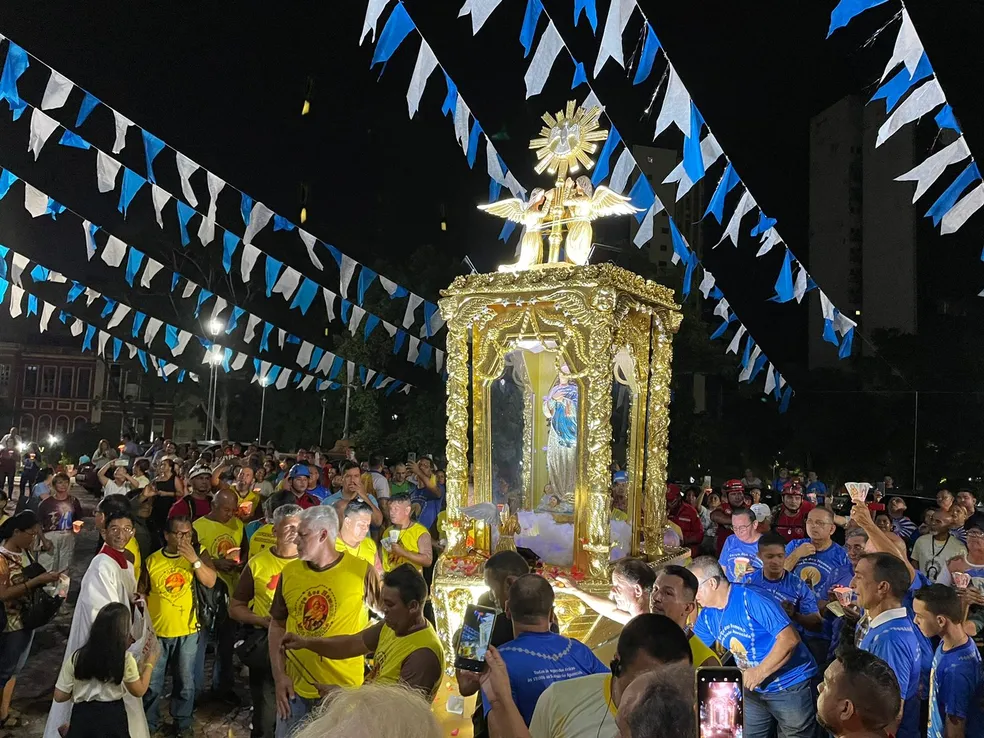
(531, 214)
(585, 204)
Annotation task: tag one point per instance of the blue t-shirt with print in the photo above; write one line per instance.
(747, 626)
(955, 690)
(833, 626)
(537, 660)
(926, 646)
(896, 643)
(788, 588)
(735, 548)
(816, 568)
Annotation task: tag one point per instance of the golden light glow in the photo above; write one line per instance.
(566, 140)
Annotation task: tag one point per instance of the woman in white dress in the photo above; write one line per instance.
(109, 578)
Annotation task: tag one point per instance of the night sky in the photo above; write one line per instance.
(224, 83)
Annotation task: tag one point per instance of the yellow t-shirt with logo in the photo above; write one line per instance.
(410, 540)
(702, 653)
(321, 604)
(265, 568)
(263, 538)
(171, 601)
(393, 650)
(218, 539)
(133, 548)
(366, 550)
(248, 504)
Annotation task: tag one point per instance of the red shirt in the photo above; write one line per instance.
(688, 519)
(306, 500)
(792, 527)
(723, 530)
(190, 507)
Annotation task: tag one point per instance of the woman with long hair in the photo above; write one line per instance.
(104, 453)
(97, 676)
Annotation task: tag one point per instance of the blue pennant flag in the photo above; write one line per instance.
(134, 259)
(534, 8)
(62, 316)
(74, 140)
(473, 138)
(642, 196)
(73, 294)
(132, 182)
(230, 242)
(787, 395)
(393, 387)
(280, 223)
(185, 211)
(829, 334)
(507, 228)
(371, 322)
(89, 103)
(729, 180)
(721, 329)
(171, 336)
(336, 367)
(494, 187)
(4, 284)
(847, 342)
(601, 167)
(203, 295)
(366, 277)
(693, 159)
(590, 11)
(649, 50)
(32, 304)
(894, 90)
(784, 284)
(451, 99)
(346, 309)
(7, 178)
(273, 374)
(237, 313)
(401, 336)
(397, 27)
(316, 355)
(174, 280)
(846, 11)
(580, 76)
(947, 119)
(429, 310)
(226, 358)
(362, 375)
(679, 244)
(265, 338)
(688, 275)
(117, 347)
(152, 147)
(272, 272)
(108, 307)
(378, 380)
(142, 356)
(335, 254)
(758, 367)
(39, 273)
(424, 355)
(138, 321)
(54, 209)
(747, 355)
(14, 66)
(764, 224)
(246, 207)
(949, 198)
(304, 296)
(90, 331)
(181, 375)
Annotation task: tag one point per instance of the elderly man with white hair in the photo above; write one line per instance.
(325, 592)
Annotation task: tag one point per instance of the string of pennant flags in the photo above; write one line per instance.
(913, 92)
(255, 216)
(114, 253)
(396, 29)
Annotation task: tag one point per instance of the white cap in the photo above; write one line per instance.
(761, 511)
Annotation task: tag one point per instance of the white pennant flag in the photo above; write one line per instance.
(107, 169)
(405, 389)
(56, 277)
(645, 232)
(103, 337)
(461, 112)
(710, 152)
(131, 350)
(247, 259)
(183, 338)
(265, 367)
(479, 10)
(189, 289)
(388, 284)
(915, 106)
(965, 207)
(77, 326)
(610, 47)
(281, 336)
(90, 246)
(150, 333)
(345, 272)
(425, 66)
(287, 283)
(91, 296)
(414, 350)
(282, 379)
(493, 166)
(706, 284)
(842, 324)
(42, 126)
(438, 360)
(304, 353)
(220, 305)
(16, 298)
(436, 323)
(160, 198)
(35, 201)
(592, 101)
(186, 167)
(745, 205)
(370, 374)
(375, 9)
(413, 302)
(239, 362)
(769, 239)
(306, 382)
(389, 328)
(385, 383)
(543, 60)
(329, 302)
(119, 313)
(513, 185)
(18, 264)
(251, 324)
(122, 124)
(721, 309)
(259, 216)
(799, 286)
(113, 252)
(350, 369)
(770, 380)
(623, 169)
(926, 174)
(206, 230)
(324, 366)
(169, 369)
(746, 373)
(355, 319)
(150, 271)
(826, 306)
(309, 242)
(908, 48)
(736, 341)
(676, 106)
(56, 92)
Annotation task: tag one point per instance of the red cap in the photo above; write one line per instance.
(734, 485)
(672, 492)
(793, 488)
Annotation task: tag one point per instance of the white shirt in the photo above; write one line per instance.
(932, 556)
(894, 614)
(380, 484)
(92, 690)
(576, 708)
(112, 488)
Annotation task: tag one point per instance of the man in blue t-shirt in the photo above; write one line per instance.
(739, 556)
(776, 666)
(955, 680)
(536, 658)
(881, 581)
(816, 490)
(790, 592)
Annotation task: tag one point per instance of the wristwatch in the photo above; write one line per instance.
(197, 565)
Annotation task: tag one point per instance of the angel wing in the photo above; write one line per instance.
(511, 209)
(608, 202)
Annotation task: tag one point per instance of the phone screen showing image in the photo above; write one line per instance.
(720, 702)
(475, 636)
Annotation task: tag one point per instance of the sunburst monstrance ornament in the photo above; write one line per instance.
(567, 139)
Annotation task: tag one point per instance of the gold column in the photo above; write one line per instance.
(457, 436)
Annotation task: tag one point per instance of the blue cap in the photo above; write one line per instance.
(84, 459)
(620, 476)
(299, 470)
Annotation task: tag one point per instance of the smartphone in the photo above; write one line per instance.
(707, 482)
(475, 636)
(720, 704)
(411, 456)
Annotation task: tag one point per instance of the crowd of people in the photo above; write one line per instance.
(311, 578)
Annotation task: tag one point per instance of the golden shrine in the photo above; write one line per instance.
(555, 371)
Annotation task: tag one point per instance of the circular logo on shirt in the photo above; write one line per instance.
(316, 609)
(223, 545)
(377, 666)
(174, 582)
(739, 652)
(811, 575)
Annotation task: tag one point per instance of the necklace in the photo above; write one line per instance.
(933, 552)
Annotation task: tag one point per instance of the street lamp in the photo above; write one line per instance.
(214, 356)
(324, 406)
(264, 383)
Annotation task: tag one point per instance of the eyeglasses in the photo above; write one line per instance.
(120, 531)
(743, 527)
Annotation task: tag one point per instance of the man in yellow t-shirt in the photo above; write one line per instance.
(586, 707)
(321, 594)
(405, 646)
(405, 541)
(220, 535)
(353, 536)
(167, 580)
(675, 595)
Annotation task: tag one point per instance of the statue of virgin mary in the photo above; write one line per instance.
(560, 409)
